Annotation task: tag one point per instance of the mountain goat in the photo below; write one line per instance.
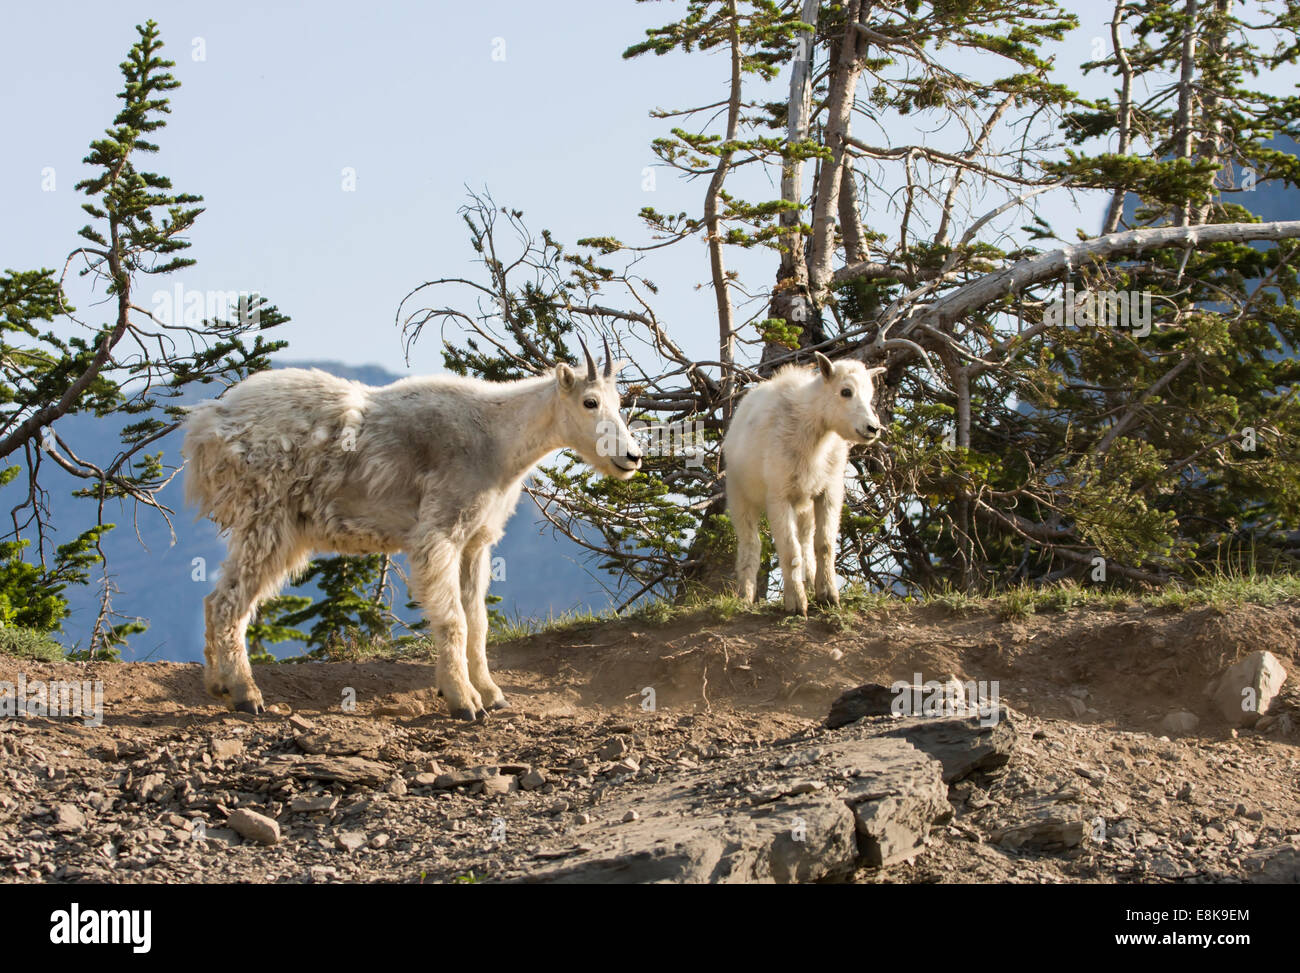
(786, 451)
(293, 461)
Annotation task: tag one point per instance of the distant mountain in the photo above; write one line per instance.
(544, 574)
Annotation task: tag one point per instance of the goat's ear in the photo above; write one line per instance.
(619, 365)
(565, 376)
(878, 370)
(824, 363)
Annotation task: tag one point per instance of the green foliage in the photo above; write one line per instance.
(29, 643)
(350, 607)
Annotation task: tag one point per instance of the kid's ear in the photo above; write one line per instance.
(565, 377)
(619, 365)
(878, 370)
(824, 363)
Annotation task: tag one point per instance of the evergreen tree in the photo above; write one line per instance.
(131, 364)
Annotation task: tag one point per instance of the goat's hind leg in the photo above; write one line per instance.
(748, 547)
(255, 569)
(475, 574)
(435, 579)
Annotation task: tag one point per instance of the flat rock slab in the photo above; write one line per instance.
(335, 737)
(962, 744)
(802, 811)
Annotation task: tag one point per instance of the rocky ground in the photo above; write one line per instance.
(697, 751)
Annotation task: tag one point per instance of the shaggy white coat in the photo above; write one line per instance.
(293, 461)
(786, 451)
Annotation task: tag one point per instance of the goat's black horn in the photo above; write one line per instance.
(591, 365)
(609, 359)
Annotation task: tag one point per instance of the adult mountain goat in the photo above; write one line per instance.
(292, 461)
(786, 451)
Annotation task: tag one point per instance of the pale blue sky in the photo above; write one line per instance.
(410, 96)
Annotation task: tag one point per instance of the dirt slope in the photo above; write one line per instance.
(395, 791)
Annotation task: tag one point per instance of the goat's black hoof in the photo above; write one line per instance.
(440, 694)
(501, 703)
(480, 716)
(250, 707)
(465, 713)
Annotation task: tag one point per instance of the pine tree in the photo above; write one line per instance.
(131, 364)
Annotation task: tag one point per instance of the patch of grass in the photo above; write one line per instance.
(1018, 602)
(113, 654)
(505, 629)
(28, 643)
(1218, 588)
(956, 602)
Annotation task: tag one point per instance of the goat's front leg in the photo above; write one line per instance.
(435, 576)
(826, 535)
(789, 550)
(805, 521)
(475, 573)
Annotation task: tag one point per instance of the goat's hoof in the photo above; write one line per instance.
(250, 706)
(501, 703)
(464, 713)
(480, 716)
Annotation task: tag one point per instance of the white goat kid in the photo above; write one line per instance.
(786, 451)
(292, 461)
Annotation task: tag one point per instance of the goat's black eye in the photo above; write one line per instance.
(846, 393)
(590, 403)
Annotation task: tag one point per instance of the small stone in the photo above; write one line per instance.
(1245, 690)
(532, 780)
(301, 723)
(807, 787)
(68, 819)
(313, 805)
(631, 816)
(1076, 706)
(500, 785)
(379, 841)
(397, 787)
(583, 818)
(614, 748)
(254, 826)
(227, 748)
(350, 841)
(405, 711)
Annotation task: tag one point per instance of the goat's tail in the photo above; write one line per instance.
(210, 469)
